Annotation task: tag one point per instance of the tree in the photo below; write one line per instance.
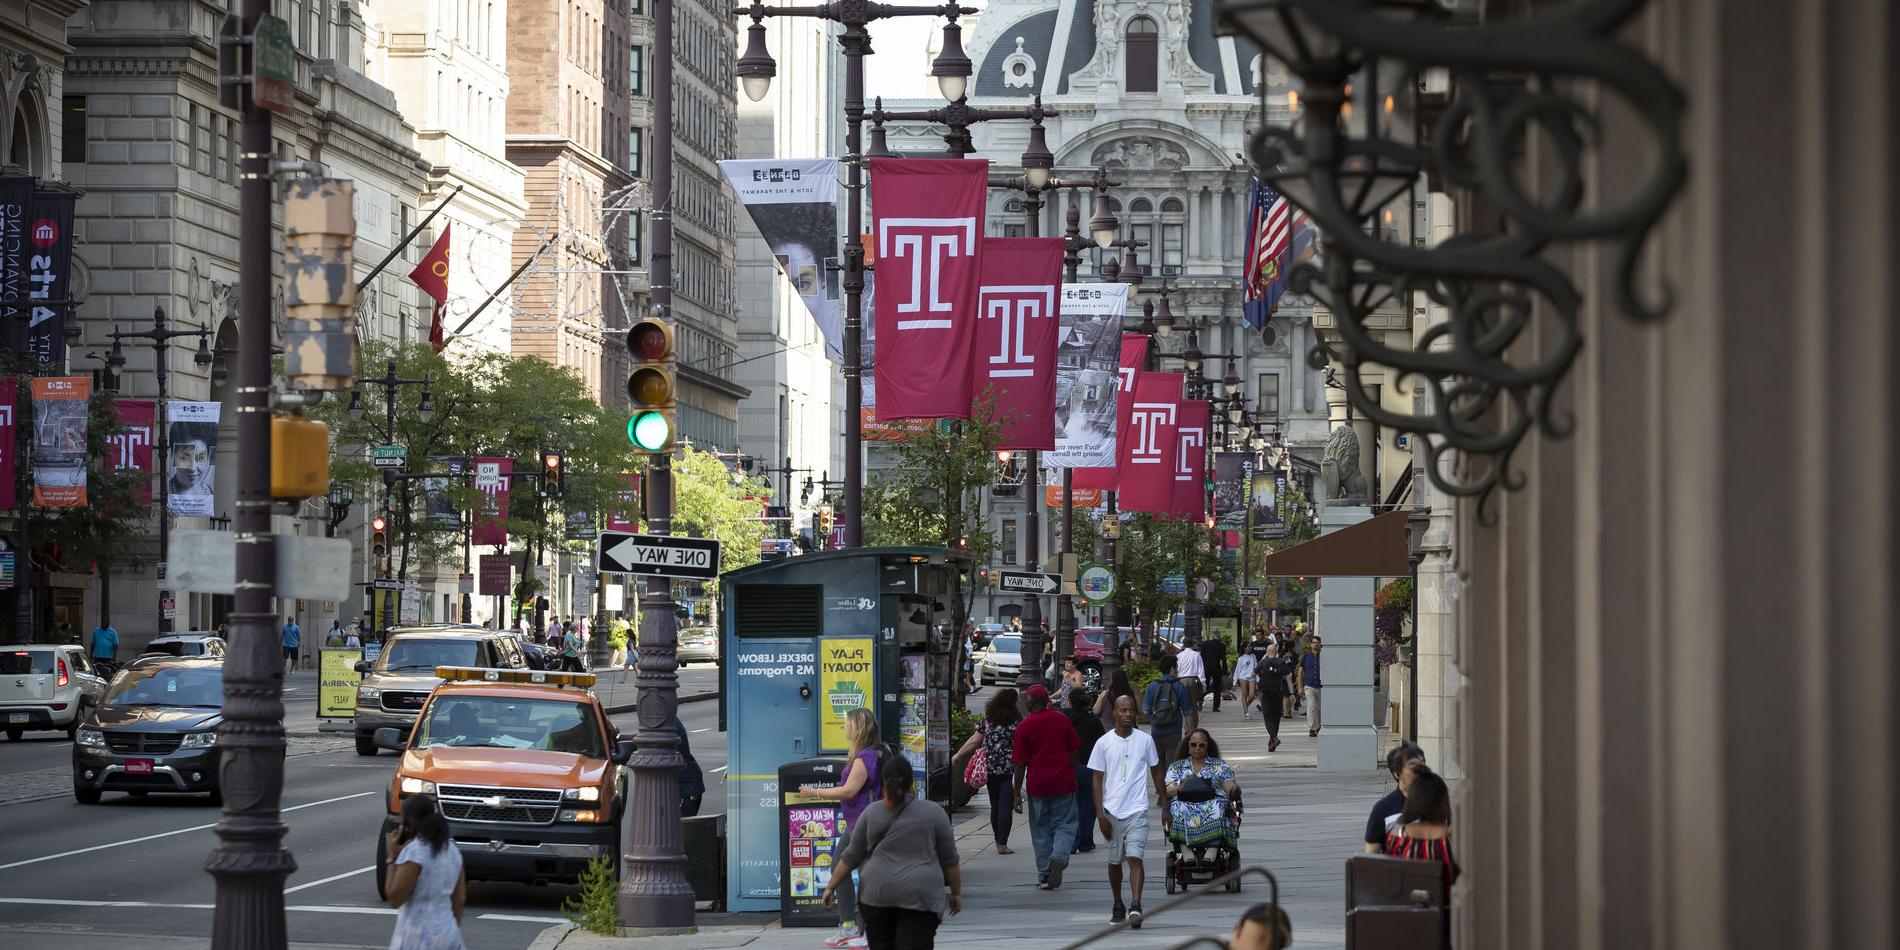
(1154, 547)
(713, 501)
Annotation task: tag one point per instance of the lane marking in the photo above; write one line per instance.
(306, 908)
(698, 731)
(333, 877)
(524, 918)
(167, 834)
(719, 769)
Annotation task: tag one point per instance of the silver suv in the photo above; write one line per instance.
(47, 687)
(399, 682)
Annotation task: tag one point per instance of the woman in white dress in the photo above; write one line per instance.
(426, 884)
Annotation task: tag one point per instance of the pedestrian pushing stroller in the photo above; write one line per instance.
(1203, 830)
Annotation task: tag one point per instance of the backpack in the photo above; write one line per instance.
(1166, 714)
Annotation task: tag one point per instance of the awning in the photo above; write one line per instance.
(1372, 548)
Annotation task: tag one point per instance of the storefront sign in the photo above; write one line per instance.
(337, 680)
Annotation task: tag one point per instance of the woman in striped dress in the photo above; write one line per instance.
(1423, 832)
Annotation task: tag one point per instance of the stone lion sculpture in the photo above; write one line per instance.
(1339, 469)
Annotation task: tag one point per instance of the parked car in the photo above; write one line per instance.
(698, 645)
(195, 643)
(45, 687)
(397, 684)
(985, 632)
(156, 730)
(1002, 661)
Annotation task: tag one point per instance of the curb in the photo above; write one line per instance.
(687, 698)
(550, 938)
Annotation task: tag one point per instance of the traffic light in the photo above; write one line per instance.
(553, 471)
(651, 388)
(379, 536)
(824, 521)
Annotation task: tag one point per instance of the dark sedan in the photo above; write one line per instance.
(155, 731)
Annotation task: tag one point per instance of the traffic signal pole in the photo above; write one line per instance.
(655, 897)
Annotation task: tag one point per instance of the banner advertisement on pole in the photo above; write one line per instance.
(59, 440)
(49, 270)
(1231, 480)
(1087, 355)
(497, 575)
(1151, 444)
(624, 515)
(1016, 327)
(1266, 507)
(16, 202)
(132, 448)
(927, 216)
(337, 680)
(1128, 371)
(191, 439)
(411, 609)
(794, 204)
(491, 479)
(9, 493)
(438, 498)
(1190, 459)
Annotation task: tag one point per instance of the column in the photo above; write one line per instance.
(1347, 740)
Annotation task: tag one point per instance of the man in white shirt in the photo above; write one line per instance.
(1124, 764)
(1192, 670)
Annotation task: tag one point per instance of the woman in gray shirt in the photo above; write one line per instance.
(906, 855)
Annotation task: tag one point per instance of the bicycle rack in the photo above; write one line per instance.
(1273, 898)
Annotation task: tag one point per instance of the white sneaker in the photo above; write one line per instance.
(845, 939)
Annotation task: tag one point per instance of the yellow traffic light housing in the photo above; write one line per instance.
(299, 458)
(652, 387)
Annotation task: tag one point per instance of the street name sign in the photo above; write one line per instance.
(388, 456)
(658, 555)
(1027, 582)
(1250, 592)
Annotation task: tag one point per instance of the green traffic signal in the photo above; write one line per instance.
(650, 431)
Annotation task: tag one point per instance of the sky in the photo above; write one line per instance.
(899, 67)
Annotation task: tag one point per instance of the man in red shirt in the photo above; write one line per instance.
(1045, 744)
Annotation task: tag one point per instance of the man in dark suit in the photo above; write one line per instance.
(1214, 657)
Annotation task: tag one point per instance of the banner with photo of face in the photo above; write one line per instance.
(794, 204)
(191, 450)
(1087, 353)
(59, 440)
(132, 448)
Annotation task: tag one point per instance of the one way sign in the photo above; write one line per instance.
(1027, 582)
(659, 555)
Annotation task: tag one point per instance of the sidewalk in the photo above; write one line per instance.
(1301, 823)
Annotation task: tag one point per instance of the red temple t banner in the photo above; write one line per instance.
(1134, 357)
(1017, 321)
(1190, 460)
(133, 448)
(491, 479)
(1150, 444)
(8, 493)
(927, 216)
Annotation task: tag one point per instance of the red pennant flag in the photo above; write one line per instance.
(1150, 446)
(1190, 460)
(928, 215)
(1134, 357)
(432, 275)
(132, 448)
(1017, 321)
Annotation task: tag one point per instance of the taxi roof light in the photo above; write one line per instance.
(468, 674)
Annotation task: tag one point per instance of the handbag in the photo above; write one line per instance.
(977, 773)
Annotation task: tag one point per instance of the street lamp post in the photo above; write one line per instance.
(160, 337)
(1417, 521)
(425, 411)
(755, 69)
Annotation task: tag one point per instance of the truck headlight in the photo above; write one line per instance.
(586, 793)
(416, 786)
(199, 740)
(368, 694)
(92, 739)
(583, 815)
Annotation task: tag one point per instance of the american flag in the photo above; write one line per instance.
(1277, 236)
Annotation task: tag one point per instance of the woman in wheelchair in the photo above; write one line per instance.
(1202, 813)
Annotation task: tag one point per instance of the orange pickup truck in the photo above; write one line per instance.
(527, 768)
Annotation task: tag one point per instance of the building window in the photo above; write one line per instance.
(1144, 56)
(72, 133)
(636, 71)
(1009, 541)
(636, 154)
(1268, 397)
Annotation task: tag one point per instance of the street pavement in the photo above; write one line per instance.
(1302, 824)
(128, 871)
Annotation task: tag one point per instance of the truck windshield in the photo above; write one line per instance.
(428, 653)
(555, 725)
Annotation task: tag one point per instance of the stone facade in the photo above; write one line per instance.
(157, 222)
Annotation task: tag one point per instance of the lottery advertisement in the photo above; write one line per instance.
(845, 682)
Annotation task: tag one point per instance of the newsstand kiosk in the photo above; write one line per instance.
(805, 640)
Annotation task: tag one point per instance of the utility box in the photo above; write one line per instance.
(805, 640)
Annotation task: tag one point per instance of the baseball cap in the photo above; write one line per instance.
(1037, 690)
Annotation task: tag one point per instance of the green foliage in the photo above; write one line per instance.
(593, 908)
(963, 724)
(112, 524)
(1154, 547)
(712, 501)
(1140, 673)
(618, 633)
(1395, 595)
(924, 499)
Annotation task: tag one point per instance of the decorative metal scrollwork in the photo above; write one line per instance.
(1513, 332)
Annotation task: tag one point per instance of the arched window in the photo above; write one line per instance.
(1143, 65)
